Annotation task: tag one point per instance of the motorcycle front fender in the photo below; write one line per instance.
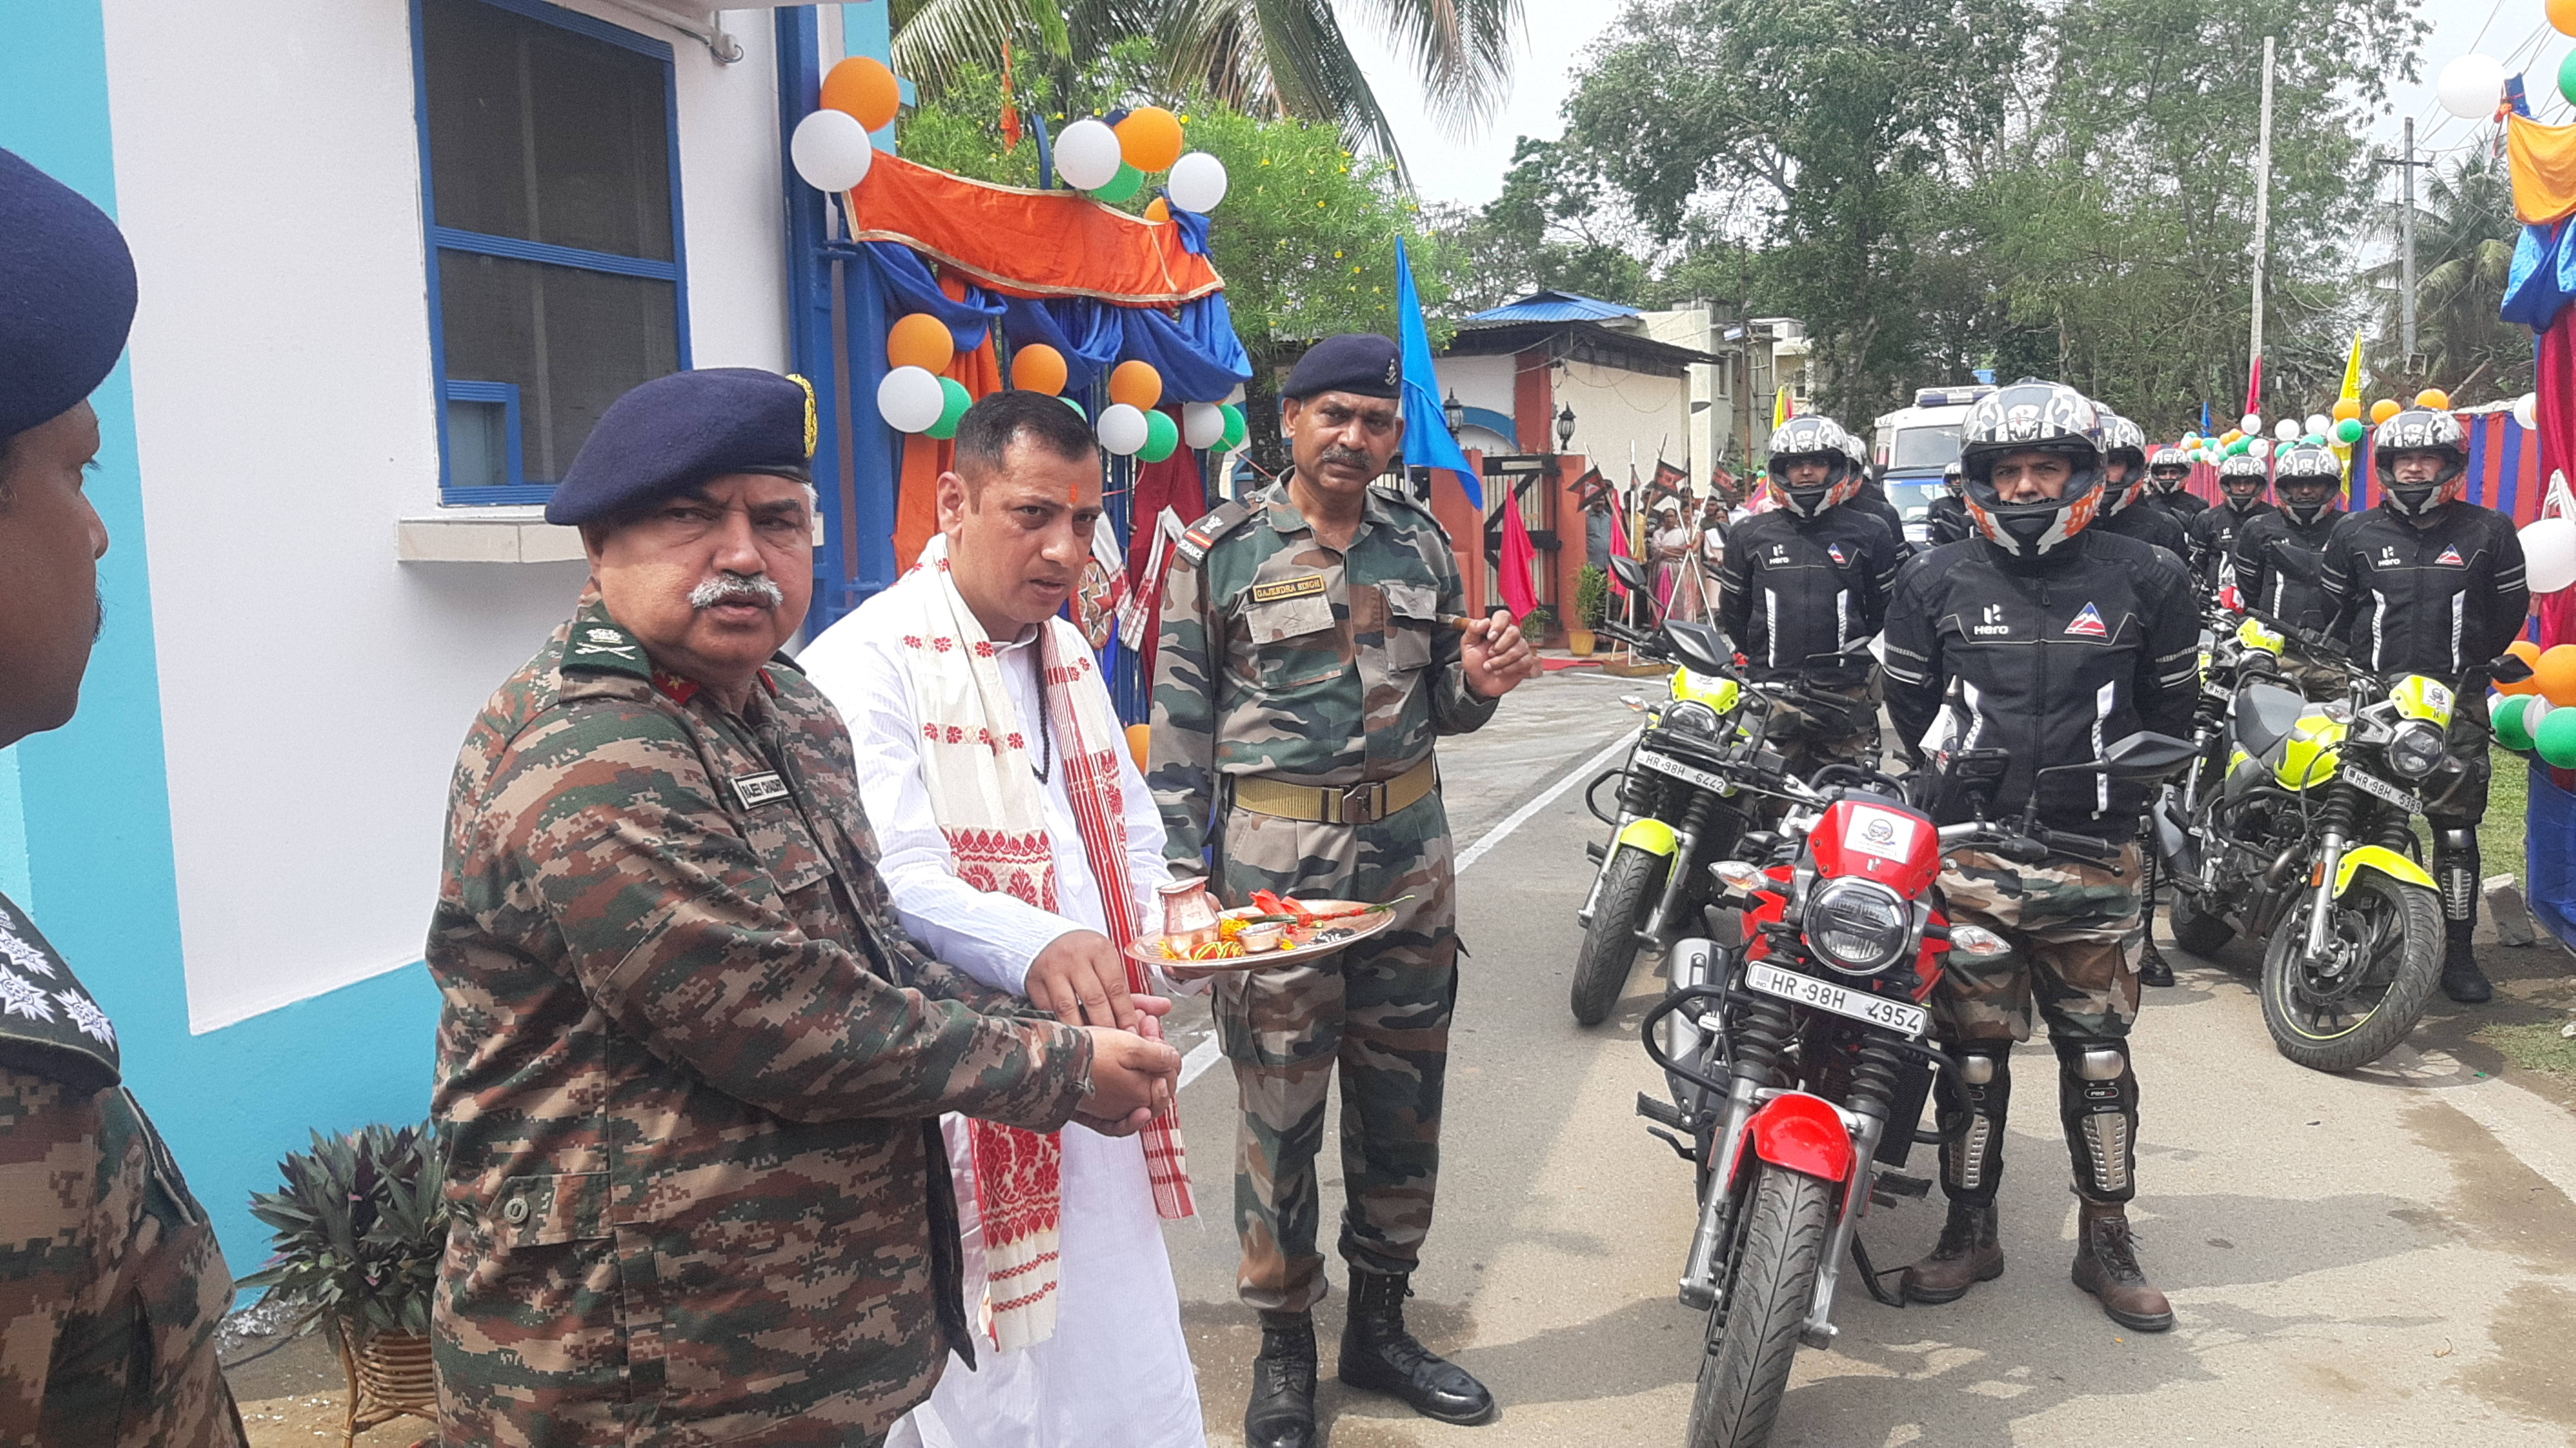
(1650, 835)
(2386, 861)
(1802, 1133)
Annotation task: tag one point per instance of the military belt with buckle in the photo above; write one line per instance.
(1333, 804)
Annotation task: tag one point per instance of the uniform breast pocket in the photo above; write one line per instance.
(1412, 612)
(1295, 641)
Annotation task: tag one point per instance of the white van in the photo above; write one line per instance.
(1914, 445)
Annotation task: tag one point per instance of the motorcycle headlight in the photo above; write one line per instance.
(1691, 717)
(2415, 751)
(1859, 927)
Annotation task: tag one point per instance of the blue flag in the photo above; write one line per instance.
(1427, 443)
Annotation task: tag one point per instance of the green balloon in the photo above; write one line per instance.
(1162, 437)
(1235, 427)
(1077, 408)
(2350, 428)
(951, 411)
(2314, 439)
(2567, 77)
(2507, 720)
(2556, 738)
(1126, 183)
(2238, 447)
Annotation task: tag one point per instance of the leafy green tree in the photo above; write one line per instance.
(2464, 238)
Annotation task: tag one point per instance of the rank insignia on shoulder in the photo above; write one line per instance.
(1202, 535)
(755, 790)
(1307, 587)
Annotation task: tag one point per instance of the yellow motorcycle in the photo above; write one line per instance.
(2305, 839)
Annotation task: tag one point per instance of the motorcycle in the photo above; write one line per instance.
(1674, 813)
(1798, 1063)
(2298, 830)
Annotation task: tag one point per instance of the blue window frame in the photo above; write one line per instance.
(550, 197)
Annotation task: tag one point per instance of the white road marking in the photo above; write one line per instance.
(1581, 773)
(1195, 1064)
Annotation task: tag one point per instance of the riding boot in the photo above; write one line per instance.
(1282, 1411)
(2106, 1265)
(1378, 1354)
(2462, 981)
(1972, 1161)
(2152, 969)
(2455, 865)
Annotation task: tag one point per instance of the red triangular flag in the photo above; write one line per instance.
(1518, 555)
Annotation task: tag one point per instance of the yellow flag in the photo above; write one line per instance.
(2351, 393)
(1783, 407)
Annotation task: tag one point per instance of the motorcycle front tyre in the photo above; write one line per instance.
(2418, 913)
(1745, 1373)
(1630, 883)
(2194, 930)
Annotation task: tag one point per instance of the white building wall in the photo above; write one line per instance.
(1711, 431)
(314, 690)
(1479, 382)
(1619, 414)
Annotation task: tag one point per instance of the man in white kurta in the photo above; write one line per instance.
(1115, 1368)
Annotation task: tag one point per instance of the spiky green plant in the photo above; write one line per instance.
(360, 1222)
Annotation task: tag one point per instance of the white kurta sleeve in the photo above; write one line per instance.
(1147, 870)
(990, 936)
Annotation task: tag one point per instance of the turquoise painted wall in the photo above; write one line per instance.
(91, 799)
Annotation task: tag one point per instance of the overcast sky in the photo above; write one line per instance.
(1471, 171)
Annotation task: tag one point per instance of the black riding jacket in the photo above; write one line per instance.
(2181, 507)
(2442, 599)
(2279, 567)
(2149, 524)
(1949, 521)
(1872, 499)
(1793, 587)
(2051, 660)
(2213, 539)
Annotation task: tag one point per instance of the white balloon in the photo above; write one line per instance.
(2549, 554)
(2287, 429)
(2471, 87)
(2319, 423)
(1197, 183)
(2258, 448)
(831, 150)
(1202, 425)
(910, 399)
(1121, 428)
(2526, 411)
(2251, 422)
(2535, 711)
(1086, 155)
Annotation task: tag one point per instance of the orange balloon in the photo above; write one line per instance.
(2384, 409)
(2562, 16)
(2347, 408)
(1038, 367)
(2555, 673)
(2434, 398)
(920, 340)
(1150, 138)
(1157, 211)
(1137, 384)
(1139, 737)
(2529, 653)
(862, 86)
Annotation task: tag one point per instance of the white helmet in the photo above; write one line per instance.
(1815, 435)
(2031, 415)
(2307, 480)
(2420, 429)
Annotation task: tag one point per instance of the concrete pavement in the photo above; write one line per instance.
(2388, 1257)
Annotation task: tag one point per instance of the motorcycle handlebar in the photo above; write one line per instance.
(2082, 847)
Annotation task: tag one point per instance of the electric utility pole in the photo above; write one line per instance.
(2262, 232)
(2406, 247)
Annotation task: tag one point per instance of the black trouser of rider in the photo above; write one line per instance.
(2455, 816)
(2097, 1103)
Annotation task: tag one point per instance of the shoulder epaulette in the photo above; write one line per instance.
(1215, 524)
(597, 646)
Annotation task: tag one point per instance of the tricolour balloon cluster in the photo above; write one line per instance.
(2532, 716)
(914, 397)
(1112, 162)
(831, 148)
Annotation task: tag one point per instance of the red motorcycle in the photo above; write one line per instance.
(1799, 1060)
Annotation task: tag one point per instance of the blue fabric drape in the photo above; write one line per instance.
(2543, 278)
(908, 285)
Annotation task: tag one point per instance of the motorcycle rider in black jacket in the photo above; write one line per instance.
(2428, 584)
(1804, 581)
(2213, 533)
(1948, 518)
(2280, 558)
(2046, 639)
(2168, 475)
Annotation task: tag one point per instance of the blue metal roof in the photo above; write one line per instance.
(1555, 307)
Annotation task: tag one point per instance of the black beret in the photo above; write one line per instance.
(676, 432)
(1361, 363)
(66, 296)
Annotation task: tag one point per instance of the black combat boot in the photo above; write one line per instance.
(1378, 1354)
(2455, 859)
(1966, 1255)
(2152, 969)
(1282, 1413)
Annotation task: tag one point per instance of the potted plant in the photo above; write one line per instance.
(1534, 625)
(1591, 601)
(360, 1224)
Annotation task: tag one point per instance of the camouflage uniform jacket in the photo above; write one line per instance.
(1281, 657)
(111, 1284)
(688, 1070)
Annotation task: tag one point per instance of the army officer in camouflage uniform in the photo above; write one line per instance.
(1304, 668)
(689, 1066)
(111, 1285)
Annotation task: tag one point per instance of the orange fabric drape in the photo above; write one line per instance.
(1028, 243)
(2543, 160)
(916, 513)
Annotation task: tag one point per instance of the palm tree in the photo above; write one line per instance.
(2464, 237)
(1264, 57)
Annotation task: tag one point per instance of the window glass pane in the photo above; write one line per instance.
(478, 448)
(542, 134)
(572, 339)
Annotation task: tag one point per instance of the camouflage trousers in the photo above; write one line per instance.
(1810, 740)
(1376, 1014)
(2076, 932)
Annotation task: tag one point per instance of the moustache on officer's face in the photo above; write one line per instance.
(737, 588)
(1336, 453)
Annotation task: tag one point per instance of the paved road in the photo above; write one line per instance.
(2383, 1258)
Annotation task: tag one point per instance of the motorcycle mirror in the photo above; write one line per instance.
(1701, 649)
(2144, 755)
(2509, 669)
(1631, 573)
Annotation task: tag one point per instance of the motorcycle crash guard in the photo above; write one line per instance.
(1650, 835)
(2173, 842)
(1801, 1133)
(2386, 861)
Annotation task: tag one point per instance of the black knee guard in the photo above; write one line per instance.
(2455, 869)
(1972, 1160)
(2097, 1097)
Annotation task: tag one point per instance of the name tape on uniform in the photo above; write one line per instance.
(1307, 587)
(755, 790)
